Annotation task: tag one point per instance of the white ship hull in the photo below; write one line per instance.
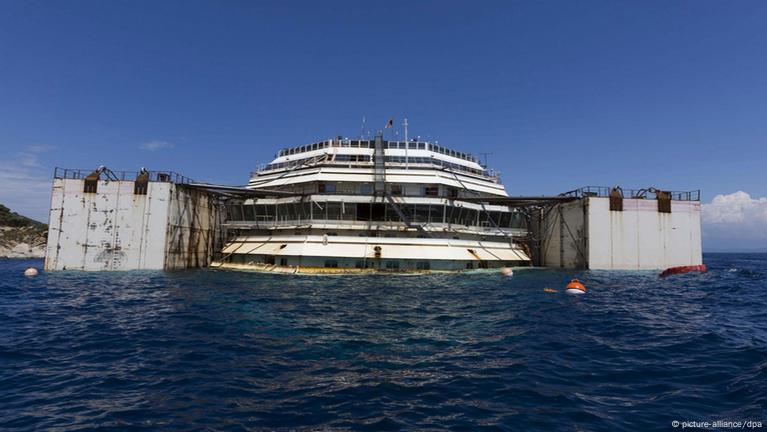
(333, 254)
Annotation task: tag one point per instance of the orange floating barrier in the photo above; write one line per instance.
(683, 269)
(575, 287)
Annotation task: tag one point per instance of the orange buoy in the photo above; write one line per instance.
(575, 287)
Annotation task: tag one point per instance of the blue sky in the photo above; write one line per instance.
(564, 94)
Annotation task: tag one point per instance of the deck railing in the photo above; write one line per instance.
(490, 175)
(647, 193)
(107, 174)
(390, 225)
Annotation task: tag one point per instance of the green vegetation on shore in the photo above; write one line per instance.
(13, 219)
(20, 236)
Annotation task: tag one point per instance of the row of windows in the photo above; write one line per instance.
(389, 264)
(389, 159)
(377, 212)
(305, 148)
(412, 145)
(349, 188)
(435, 162)
(432, 147)
(353, 158)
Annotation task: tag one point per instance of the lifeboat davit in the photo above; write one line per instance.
(575, 287)
(683, 269)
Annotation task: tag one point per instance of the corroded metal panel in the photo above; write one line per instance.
(169, 227)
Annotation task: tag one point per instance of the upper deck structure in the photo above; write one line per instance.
(374, 205)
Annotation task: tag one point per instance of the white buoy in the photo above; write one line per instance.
(506, 271)
(30, 272)
(574, 291)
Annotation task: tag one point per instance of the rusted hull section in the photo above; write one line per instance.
(114, 225)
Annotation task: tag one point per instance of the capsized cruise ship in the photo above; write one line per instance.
(362, 205)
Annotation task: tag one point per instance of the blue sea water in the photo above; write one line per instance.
(219, 350)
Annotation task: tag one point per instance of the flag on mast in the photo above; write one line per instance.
(389, 124)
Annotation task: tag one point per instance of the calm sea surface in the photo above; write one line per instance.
(218, 350)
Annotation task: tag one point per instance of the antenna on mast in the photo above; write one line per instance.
(362, 132)
(485, 154)
(404, 124)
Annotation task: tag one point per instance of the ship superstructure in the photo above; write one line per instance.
(373, 205)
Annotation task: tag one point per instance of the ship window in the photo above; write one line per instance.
(377, 212)
(396, 189)
(431, 191)
(436, 213)
(471, 217)
(505, 220)
(392, 265)
(359, 264)
(334, 211)
(469, 266)
(247, 213)
(269, 259)
(423, 265)
(331, 263)
(283, 261)
(421, 146)
(363, 211)
(421, 213)
(453, 193)
(321, 187)
(366, 189)
(234, 212)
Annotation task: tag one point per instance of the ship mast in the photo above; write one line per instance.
(404, 123)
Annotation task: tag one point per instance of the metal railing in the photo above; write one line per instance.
(491, 175)
(647, 193)
(391, 225)
(107, 174)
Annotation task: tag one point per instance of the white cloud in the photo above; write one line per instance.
(735, 222)
(155, 145)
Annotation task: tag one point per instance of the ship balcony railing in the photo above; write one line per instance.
(491, 175)
(647, 193)
(485, 229)
(107, 174)
(340, 193)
